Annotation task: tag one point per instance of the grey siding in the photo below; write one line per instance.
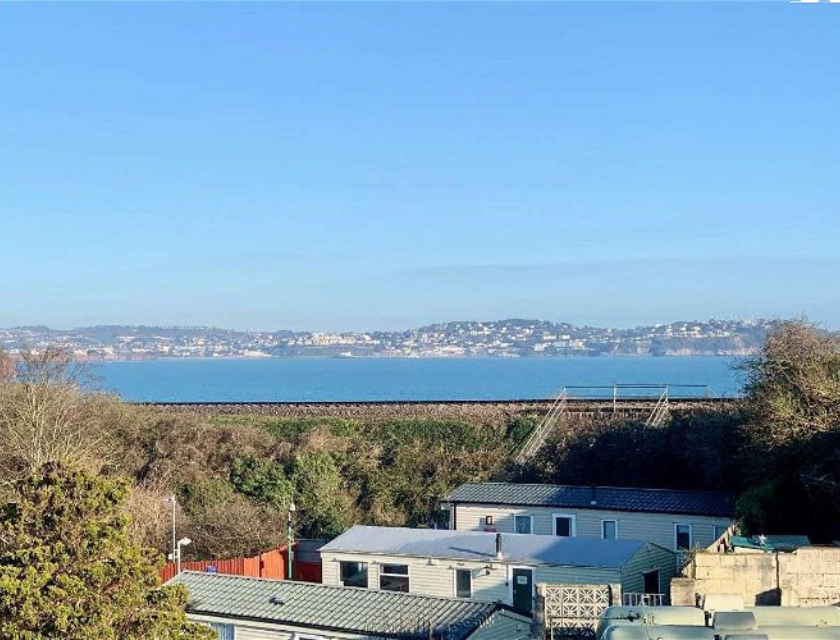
(651, 558)
(658, 528)
(500, 626)
(436, 577)
(503, 626)
(247, 630)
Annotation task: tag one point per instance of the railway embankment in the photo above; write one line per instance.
(480, 411)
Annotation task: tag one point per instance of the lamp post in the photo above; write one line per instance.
(290, 541)
(183, 542)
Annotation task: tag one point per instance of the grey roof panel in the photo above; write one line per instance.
(315, 606)
(706, 503)
(517, 548)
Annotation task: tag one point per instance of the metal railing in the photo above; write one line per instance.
(537, 437)
(643, 599)
(618, 392)
(660, 410)
(661, 393)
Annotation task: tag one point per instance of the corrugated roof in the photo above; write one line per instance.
(705, 503)
(517, 548)
(315, 606)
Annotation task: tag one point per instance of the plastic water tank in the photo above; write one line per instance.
(628, 616)
(793, 616)
(658, 632)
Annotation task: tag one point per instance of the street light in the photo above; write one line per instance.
(183, 542)
(290, 541)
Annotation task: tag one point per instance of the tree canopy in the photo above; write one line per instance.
(68, 569)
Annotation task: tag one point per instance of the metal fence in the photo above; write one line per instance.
(643, 599)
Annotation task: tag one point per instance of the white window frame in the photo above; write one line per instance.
(523, 515)
(533, 583)
(455, 583)
(617, 534)
(568, 516)
(690, 535)
(380, 573)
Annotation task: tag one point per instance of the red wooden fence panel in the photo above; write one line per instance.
(308, 571)
(271, 564)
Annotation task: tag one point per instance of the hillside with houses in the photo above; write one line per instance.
(501, 338)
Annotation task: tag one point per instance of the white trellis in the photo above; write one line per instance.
(572, 611)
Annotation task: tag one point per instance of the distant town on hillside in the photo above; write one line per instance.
(462, 339)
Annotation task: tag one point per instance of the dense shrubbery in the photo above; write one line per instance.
(234, 476)
(779, 450)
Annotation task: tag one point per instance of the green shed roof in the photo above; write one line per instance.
(385, 614)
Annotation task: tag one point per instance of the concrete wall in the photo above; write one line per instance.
(658, 528)
(807, 577)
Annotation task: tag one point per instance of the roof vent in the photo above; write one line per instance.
(276, 600)
(499, 546)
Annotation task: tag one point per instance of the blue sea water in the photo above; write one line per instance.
(383, 379)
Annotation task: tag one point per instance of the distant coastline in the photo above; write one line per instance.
(513, 338)
(601, 356)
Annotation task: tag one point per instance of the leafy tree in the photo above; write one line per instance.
(791, 434)
(793, 388)
(224, 524)
(324, 504)
(68, 569)
(263, 480)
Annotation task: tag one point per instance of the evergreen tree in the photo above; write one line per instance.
(68, 569)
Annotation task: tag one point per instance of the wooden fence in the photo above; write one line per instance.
(271, 564)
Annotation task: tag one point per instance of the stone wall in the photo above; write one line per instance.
(807, 577)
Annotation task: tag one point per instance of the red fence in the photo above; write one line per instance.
(307, 571)
(271, 564)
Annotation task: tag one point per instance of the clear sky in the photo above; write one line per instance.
(378, 166)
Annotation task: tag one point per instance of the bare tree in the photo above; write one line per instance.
(46, 415)
(7, 367)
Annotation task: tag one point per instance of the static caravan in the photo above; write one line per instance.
(244, 608)
(675, 520)
(490, 567)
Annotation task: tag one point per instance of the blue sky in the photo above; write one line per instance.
(376, 166)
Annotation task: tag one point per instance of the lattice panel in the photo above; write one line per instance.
(573, 610)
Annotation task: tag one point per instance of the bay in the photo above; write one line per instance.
(407, 379)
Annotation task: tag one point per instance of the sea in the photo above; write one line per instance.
(412, 379)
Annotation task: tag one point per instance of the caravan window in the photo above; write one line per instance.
(354, 574)
(394, 577)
